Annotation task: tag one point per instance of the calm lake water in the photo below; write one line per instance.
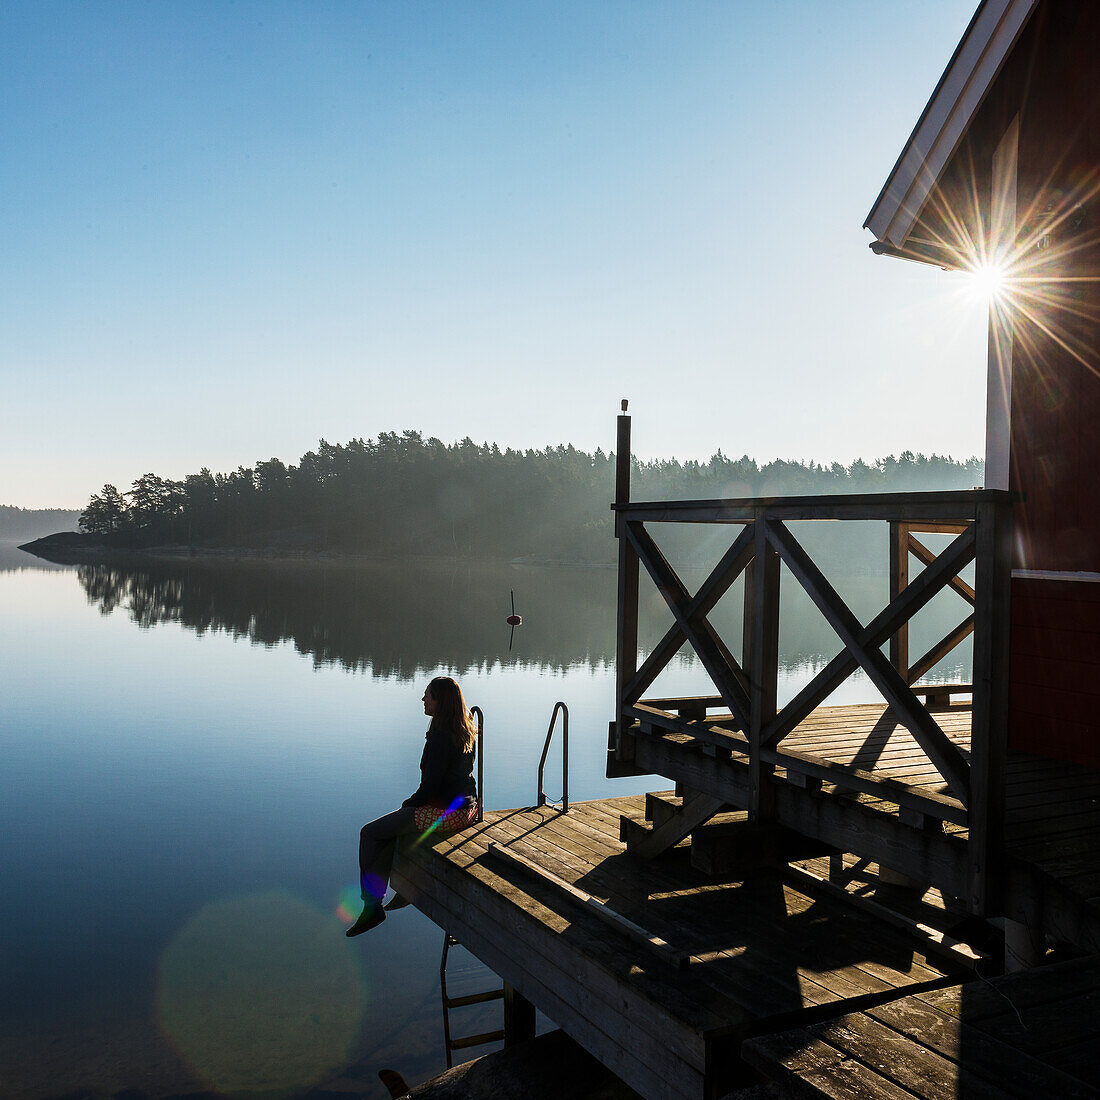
(189, 752)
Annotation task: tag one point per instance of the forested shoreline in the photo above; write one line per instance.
(403, 494)
(30, 523)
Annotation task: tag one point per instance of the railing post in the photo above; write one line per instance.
(475, 712)
(626, 650)
(899, 579)
(989, 733)
(761, 634)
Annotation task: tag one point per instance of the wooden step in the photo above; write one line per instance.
(662, 806)
(731, 844)
(633, 833)
(652, 840)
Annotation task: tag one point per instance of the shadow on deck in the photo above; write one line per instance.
(855, 778)
(655, 968)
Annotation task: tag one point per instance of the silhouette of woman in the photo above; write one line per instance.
(446, 798)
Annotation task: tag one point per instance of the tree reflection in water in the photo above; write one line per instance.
(400, 620)
(391, 620)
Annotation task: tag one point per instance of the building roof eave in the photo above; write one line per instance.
(918, 254)
(962, 89)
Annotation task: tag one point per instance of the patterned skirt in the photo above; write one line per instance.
(445, 819)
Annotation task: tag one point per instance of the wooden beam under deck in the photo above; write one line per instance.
(763, 953)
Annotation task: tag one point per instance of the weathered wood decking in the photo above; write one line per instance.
(1031, 1034)
(657, 970)
(858, 780)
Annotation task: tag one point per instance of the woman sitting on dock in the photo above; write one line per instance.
(446, 798)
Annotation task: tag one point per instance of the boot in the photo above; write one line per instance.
(372, 916)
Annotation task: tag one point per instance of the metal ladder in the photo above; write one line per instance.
(450, 1043)
(564, 711)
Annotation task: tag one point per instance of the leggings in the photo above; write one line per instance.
(376, 845)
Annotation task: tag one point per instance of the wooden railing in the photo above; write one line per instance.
(979, 522)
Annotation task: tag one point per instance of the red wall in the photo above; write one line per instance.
(1055, 465)
(1054, 703)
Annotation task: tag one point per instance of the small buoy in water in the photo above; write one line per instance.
(513, 621)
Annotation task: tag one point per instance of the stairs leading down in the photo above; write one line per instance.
(723, 840)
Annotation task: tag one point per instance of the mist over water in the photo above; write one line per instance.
(190, 749)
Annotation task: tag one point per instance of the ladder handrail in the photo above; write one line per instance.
(558, 706)
(475, 712)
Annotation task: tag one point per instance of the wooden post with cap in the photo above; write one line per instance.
(626, 654)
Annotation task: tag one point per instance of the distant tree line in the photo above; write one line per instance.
(32, 523)
(403, 494)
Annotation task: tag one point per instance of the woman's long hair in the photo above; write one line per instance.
(451, 716)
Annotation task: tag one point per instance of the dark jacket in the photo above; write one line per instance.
(445, 773)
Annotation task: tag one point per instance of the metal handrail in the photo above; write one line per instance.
(475, 712)
(558, 706)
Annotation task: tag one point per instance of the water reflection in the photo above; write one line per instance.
(391, 621)
(400, 621)
(14, 560)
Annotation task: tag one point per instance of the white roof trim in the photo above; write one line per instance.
(1055, 575)
(962, 88)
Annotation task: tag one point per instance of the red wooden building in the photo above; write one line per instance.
(1003, 172)
(988, 790)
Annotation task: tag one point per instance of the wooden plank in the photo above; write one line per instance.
(1025, 989)
(808, 1067)
(938, 528)
(934, 941)
(909, 1064)
(519, 1017)
(939, 806)
(926, 558)
(657, 946)
(899, 580)
(940, 749)
(626, 610)
(984, 1054)
(940, 650)
(704, 730)
(989, 740)
(1080, 1060)
(626, 632)
(762, 657)
(935, 507)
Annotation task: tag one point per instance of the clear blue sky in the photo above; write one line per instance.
(231, 229)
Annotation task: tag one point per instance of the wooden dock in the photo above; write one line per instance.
(1035, 1033)
(663, 933)
(655, 968)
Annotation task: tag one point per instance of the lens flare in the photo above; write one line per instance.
(458, 802)
(349, 905)
(257, 995)
(990, 280)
